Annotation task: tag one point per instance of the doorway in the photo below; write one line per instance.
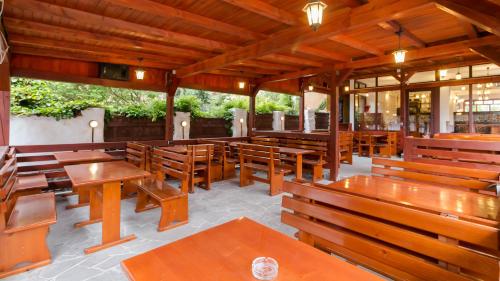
(423, 112)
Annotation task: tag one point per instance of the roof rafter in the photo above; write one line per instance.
(267, 10)
(491, 53)
(395, 26)
(357, 44)
(347, 19)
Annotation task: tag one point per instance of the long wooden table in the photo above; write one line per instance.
(81, 157)
(104, 180)
(226, 252)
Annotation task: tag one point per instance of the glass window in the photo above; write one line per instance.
(387, 81)
(485, 70)
(364, 83)
(486, 108)
(364, 111)
(454, 73)
(388, 107)
(427, 76)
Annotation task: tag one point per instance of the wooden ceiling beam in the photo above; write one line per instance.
(294, 75)
(265, 9)
(394, 26)
(471, 14)
(90, 57)
(290, 60)
(162, 10)
(469, 28)
(439, 50)
(77, 17)
(268, 65)
(228, 72)
(320, 53)
(75, 36)
(255, 70)
(356, 44)
(347, 19)
(491, 53)
(34, 42)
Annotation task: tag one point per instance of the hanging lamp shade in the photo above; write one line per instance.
(314, 10)
(399, 55)
(311, 88)
(139, 73)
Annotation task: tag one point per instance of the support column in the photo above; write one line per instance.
(403, 107)
(172, 85)
(301, 105)
(4, 103)
(333, 148)
(472, 128)
(251, 112)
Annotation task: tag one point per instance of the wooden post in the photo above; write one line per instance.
(251, 114)
(4, 103)
(472, 128)
(403, 108)
(301, 105)
(172, 85)
(333, 148)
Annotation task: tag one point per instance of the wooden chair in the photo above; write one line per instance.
(24, 224)
(223, 166)
(262, 158)
(201, 168)
(346, 147)
(365, 145)
(388, 146)
(155, 192)
(442, 175)
(398, 241)
(137, 154)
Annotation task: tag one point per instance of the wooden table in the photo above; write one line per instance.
(422, 196)
(105, 180)
(296, 152)
(81, 157)
(226, 252)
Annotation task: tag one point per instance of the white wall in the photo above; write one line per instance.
(179, 117)
(47, 130)
(446, 108)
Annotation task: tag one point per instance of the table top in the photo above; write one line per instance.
(72, 157)
(283, 149)
(226, 252)
(422, 196)
(103, 172)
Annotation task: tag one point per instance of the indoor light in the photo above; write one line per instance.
(241, 85)
(139, 72)
(314, 10)
(442, 73)
(242, 120)
(463, 88)
(346, 89)
(399, 54)
(311, 87)
(458, 76)
(183, 123)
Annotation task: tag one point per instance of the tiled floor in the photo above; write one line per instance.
(226, 201)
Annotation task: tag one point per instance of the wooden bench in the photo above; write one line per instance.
(447, 176)
(201, 168)
(402, 241)
(223, 166)
(314, 161)
(458, 136)
(156, 192)
(265, 141)
(346, 147)
(254, 157)
(139, 155)
(24, 224)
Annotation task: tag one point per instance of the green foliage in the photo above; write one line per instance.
(188, 103)
(267, 102)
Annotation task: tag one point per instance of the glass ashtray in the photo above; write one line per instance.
(265, 268)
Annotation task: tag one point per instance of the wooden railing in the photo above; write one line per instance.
(461, 153)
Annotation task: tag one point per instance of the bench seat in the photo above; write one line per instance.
(161, 191)
(25, 183)
(32, 211)
(261, 167)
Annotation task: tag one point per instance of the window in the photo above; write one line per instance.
(485, 70)
(486, 108)
(388, 106)
(387, 81)
(427, 76)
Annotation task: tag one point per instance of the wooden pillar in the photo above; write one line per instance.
(472, 128)
(301, 104)
(403, 107)
(172, 85)
(4, 103)
(251, 113)
(333, 148)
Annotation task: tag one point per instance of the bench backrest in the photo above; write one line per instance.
(406, 241)
(201, 152)
(219, 150)
(173, 164)
(458, 136)
(265, 141)
(460, 153)
(450, 176)
(138, 154)
(8, 173)
(261, 154)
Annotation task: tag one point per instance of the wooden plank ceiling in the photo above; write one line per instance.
(268, 40)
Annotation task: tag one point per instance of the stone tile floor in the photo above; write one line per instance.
(226, 201)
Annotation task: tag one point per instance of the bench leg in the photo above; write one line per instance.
(130, 189)
(245, 176)
(23, 250)
(276, 184)
(173, 213)
(306, 238)
(144, 202)
(216, 173)
(83, 198)
(229, 171)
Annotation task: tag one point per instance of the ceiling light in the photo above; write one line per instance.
(443, 73)
(458, 76)
(314, 10)
(311, 88)
(346, 89)
(399, 54)
(241, 85)
(139, 72)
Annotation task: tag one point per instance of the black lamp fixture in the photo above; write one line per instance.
(314, 10)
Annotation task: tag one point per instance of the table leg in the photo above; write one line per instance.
(83, 198)
(298, 167)
(95, 207)
(111, 193)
